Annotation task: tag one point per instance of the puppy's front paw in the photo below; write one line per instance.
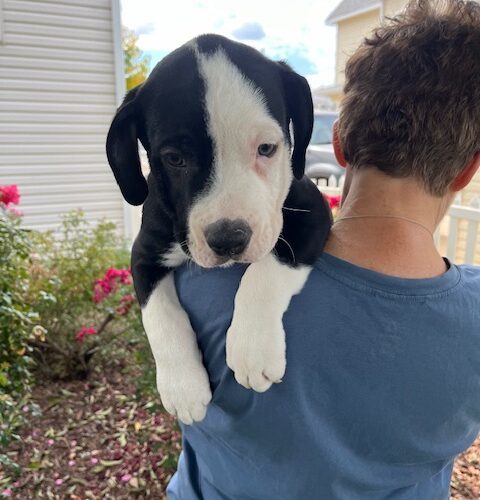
(257, 358)
(184, 391)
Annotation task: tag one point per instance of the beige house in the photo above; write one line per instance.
(354, 19)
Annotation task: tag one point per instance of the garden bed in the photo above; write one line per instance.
(95, 439)
(99, 439)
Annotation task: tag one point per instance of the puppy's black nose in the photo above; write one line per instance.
(228, 238)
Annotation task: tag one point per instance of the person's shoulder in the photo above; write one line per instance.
(469, 269)
(470, 275)
(468, 298)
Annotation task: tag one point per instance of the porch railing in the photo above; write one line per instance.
(470, 219)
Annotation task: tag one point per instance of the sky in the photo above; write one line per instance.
(293, 31)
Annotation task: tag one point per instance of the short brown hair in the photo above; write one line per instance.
(412, 94)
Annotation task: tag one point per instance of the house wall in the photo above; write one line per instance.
(350, 32)
(392, 7)
(57, 98)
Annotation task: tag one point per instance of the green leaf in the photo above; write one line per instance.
(3, 380)
(8, 463)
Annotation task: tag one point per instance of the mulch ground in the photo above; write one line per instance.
(98, 439)
(466, 474)
(94, 439)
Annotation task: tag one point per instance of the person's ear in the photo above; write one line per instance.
(465, 176)
(337, 147)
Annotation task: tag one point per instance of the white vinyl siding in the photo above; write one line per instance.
(57, 98)
(1, 21)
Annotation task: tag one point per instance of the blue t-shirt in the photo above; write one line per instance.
(381, 390)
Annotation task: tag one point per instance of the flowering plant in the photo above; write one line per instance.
(110, 282)
(84, 294)
(84, 332)
(9, 195)
(114, 287)
(17, 318)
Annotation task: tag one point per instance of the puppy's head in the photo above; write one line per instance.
(214, 117)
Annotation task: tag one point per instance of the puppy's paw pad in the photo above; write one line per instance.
(257, 360)
(184, 395)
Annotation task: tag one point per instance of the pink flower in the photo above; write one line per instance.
(126, 477)
(50, 442)
(58, 482)
(14, 211)
(83, 332)
(9, 194)
(71, 463)
(333, 201)
(94, 460)
(123, 275)
(7, 492)
(125, 303)
(109, 283)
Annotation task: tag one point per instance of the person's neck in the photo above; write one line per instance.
(387, 225)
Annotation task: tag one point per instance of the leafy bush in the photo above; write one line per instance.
(82, 290)
(64, 301)
(17, 318)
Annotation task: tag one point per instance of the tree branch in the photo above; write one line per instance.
(48, 345)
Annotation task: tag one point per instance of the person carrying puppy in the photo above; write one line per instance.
(382, 386)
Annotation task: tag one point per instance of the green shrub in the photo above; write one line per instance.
(17, 319)
(82, 289)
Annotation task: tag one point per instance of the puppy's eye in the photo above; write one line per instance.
(267, 150)
(174, 159)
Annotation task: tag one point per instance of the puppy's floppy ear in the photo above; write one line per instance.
(300, 112)
(122, 151)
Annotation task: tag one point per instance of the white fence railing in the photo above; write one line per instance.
(471, 216)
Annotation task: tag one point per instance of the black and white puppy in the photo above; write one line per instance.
(214, 117)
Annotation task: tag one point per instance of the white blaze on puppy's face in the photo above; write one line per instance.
(244, 184)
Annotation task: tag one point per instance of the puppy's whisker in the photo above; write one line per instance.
(296, 209)
(289, 246)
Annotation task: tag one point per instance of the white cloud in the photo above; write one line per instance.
(297, 25)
